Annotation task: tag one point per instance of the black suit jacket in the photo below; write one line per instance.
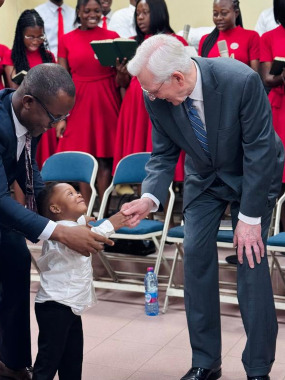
(14, 216)
(245, 151)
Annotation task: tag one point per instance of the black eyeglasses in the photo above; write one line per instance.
(53, 119)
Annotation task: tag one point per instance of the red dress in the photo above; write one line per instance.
(134, 126)
(48, 141)
(3, 51)
(273, 45)
(91, 126)
(243, 43)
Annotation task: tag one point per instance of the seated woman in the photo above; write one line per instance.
(242, 44)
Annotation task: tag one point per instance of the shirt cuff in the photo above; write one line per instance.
(47, 232)
(248, 219)
(154, 199)
(105, 229)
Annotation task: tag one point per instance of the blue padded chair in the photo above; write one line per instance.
(176, 235)
(276, 247)
(72, 167)
(131, 170)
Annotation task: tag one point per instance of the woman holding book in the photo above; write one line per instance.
(272, 44)
(91, 126)
(134, 126)
(241, 44)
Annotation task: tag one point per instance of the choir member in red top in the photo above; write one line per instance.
(134, 126)
(272, 44)
(91, 126)
(243, 44)
(3, 79)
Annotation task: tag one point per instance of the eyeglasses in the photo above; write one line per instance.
(53, 119)
(153, 95)
(32, 38)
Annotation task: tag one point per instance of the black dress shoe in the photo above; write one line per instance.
(198, 373)
(266, 377)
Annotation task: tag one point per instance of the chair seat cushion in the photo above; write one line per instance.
(176, 232)
(277, 240)
(225, 236)
(146, 226)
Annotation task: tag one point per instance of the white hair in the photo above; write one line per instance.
(161, 54)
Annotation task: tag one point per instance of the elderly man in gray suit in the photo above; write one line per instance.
(217, 111)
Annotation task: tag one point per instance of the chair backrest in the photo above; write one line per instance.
(131, 169)
(72, 167)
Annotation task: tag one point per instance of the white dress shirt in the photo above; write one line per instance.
(66, 276)
(123, 22)
(108, 19)
(266, 21)
(198, 102)
(48, 12)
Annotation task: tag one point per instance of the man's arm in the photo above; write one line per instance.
(259, 163)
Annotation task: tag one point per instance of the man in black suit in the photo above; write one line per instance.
(45, 97)
(216, 110)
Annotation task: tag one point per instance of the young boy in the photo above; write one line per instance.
(66, 289)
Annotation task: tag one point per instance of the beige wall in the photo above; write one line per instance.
(194, 12)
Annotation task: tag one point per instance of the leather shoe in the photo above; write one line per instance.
(266, 377)
(198, 373)
(21, 374)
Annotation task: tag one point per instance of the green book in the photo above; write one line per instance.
(277, 66)
(107, 51)
(18, 78)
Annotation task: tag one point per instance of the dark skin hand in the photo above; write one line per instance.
(123, 77)
(80, 239)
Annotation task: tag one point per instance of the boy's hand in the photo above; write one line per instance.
(119, 220)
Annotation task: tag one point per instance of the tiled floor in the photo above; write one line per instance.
(122, 343)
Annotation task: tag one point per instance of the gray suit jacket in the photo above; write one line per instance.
(245, 151)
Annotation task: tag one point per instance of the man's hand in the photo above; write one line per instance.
(80, 239)
(248, 237)
(138, 210)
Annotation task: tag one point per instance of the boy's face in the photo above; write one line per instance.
(67, 203)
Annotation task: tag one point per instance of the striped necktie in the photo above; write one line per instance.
(30, 196)
(197, 126)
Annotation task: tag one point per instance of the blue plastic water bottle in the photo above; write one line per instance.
(151, 293)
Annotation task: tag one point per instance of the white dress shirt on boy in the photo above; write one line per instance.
(67, 277)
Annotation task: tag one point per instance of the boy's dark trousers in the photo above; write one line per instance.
(60, 342)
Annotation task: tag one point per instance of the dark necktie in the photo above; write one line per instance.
(197, 126)
(60, 30)
(30, 196)
(104, 24)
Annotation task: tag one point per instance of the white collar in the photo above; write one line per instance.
(197, 93)
(19, 128)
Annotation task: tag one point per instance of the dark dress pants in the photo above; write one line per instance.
(15, 264)
(60, 342)
(202, 220)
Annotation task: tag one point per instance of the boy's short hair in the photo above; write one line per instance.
(43, 199)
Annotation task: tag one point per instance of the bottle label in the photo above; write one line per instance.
(150, 297)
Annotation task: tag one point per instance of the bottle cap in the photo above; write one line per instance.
(150, 269)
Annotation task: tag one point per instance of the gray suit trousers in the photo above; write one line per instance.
(201, 277)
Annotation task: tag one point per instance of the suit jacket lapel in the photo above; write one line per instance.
(212, 104)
